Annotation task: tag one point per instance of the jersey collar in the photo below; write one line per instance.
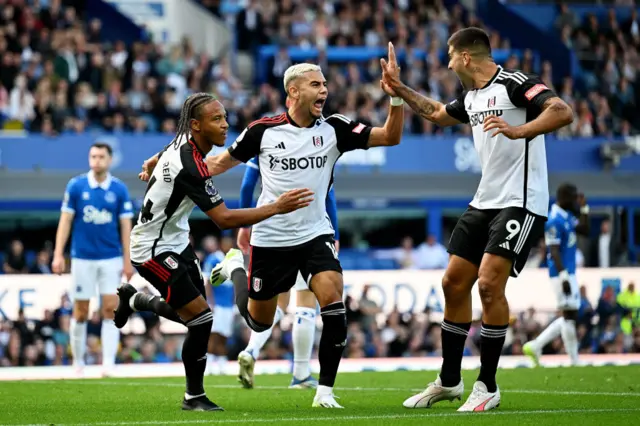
(93, 183)
(490, 82)
(293, 123)
(195, 145)
(559, 210)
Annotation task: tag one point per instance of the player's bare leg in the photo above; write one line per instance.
(457, 283)
(258, 340)
(492, 281)
(78, 333)
(247, 358)
(109, 335)
(198, 319)
(304, 329)
(328, 287)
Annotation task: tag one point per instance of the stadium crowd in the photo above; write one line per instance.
(605, 328)
(59, 76)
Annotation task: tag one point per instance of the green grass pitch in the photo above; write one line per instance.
(554, 396)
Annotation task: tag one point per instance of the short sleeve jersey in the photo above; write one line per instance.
(180, 181)
(514, 172)
(291, 157)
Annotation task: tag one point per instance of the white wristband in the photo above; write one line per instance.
(396, 101)
(564, 275)
(584, 209)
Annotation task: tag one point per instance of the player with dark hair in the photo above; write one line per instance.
(568, 217)
(300, 147)
(509, 112)
(97, 206)
(160, 248)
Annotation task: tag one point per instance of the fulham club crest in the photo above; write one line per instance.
(171, 263)
(491, 102)
(257, 284)
(317, 141)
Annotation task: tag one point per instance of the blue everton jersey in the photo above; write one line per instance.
(224, 293)
(97, 209)
(560, 230)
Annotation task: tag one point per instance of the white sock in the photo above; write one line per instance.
(78, 337)
(570, 340)
(548, 334)
(258, 340)
(222, 363)
(110, 336)
(212, 359)
(324, 390)
(304, 330)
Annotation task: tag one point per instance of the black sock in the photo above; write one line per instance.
(491, 342)
(241, 288)
(332, 341)
(149, 302)
(194, 351)
(454, 335)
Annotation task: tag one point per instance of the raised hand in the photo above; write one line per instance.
(390, 72)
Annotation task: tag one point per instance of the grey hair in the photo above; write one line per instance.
(297, 70)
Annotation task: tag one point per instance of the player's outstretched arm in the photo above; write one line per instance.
(218, 164)
(425, 107)
(555, 115)
(428, 109)
(391, 133)
(289, 201)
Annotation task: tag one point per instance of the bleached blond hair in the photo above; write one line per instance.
(297, 70)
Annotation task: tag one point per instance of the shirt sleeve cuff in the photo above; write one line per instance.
(126, 216)
(67, 210)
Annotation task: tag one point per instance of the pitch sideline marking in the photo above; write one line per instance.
(382, 389)
(375, 417)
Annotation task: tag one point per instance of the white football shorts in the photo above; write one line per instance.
(567, 302)
(92, 277)
(222, 321)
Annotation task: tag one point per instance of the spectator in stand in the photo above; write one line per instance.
(431, 254)
(15, 261)
(43, 263)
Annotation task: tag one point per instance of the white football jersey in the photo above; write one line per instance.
(179, 182)
(514, 172)
(292, 157)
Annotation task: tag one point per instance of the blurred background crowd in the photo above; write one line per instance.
(607, 328)
(611, 326)
(58, 75)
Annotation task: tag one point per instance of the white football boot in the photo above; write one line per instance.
(480, 399)
(435, 392)
(222, 272)
(325, 398)
(246, 362)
